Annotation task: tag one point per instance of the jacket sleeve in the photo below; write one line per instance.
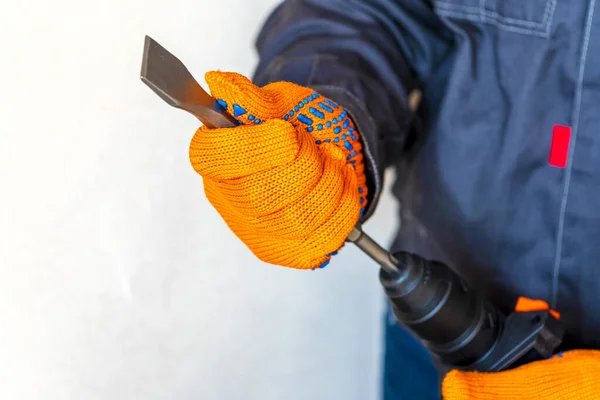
(366, 55)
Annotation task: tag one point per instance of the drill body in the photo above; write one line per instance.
(457, 324)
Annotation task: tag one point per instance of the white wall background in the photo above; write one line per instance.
(118, 280)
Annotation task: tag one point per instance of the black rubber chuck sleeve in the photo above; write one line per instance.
(454, 322)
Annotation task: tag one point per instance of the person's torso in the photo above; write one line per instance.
(479, 191)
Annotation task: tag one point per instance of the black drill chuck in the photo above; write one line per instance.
(457, 325)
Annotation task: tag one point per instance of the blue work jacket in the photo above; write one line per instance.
(498, 173)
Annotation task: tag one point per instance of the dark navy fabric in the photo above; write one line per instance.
(474, 181)
(408, 371)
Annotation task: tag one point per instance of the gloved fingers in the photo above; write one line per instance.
(311, 174)
(271, 190)
(343, 219)
(329, 237)
(290, 204)
(298, 219)
(315, 250)
(304, 253)
(251, 104)
(230, 153)
(301, 218)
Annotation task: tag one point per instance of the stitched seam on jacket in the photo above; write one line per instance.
(575, 124)
(477, 14)
(496, 15)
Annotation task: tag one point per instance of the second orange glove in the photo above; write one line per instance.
(289, 181)
(572, 375)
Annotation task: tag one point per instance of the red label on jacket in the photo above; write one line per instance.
(559, 150)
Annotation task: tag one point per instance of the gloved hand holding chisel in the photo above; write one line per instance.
(289, 181)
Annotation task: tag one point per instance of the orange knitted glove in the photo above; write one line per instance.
(289, 181)
(570, 375)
